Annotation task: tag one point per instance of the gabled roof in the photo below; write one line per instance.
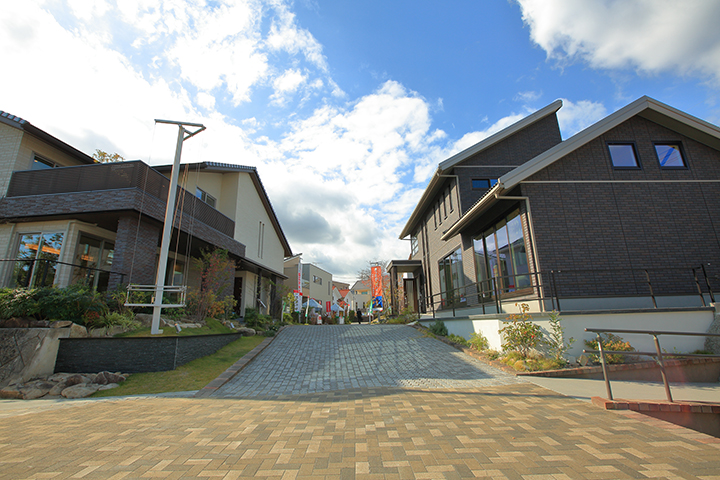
(22, 124)
(645, 107)
(215, 167)
(436, 181)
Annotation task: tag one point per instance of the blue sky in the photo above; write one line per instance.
(345, 108)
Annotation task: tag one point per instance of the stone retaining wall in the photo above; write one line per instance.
(134, 355)
(26, 353)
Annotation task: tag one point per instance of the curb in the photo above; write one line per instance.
(235, 368)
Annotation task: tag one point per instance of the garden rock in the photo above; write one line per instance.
(61, 324)
(98, 332)
(78, 331)
(35, 389)
(12, 391)
(246, 332)
(146, 319)
(106, 378)
(77, 379)
(80, 390)
(109, 386)
(17, 322)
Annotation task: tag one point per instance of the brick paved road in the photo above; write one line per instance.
(506, 430)
(306, 359)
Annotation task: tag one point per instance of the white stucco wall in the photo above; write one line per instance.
(249, 213)
(575, 324)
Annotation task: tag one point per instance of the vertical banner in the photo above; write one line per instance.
(327, 307)
(376, 287)
(298, 292)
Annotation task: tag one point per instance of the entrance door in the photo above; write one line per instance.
(411, 294)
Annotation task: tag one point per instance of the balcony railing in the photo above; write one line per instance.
(556, 285)
(114, 176)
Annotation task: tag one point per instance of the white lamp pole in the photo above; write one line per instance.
(169, 217)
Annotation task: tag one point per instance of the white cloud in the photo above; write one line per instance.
(652, 36)
(574, 117)
(288, 83)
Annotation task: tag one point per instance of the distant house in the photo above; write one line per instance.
(316, 282)
(66, 219)
(622, 215)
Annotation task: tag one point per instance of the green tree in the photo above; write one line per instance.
(104, 157)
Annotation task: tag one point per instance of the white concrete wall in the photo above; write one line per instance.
(575, 324)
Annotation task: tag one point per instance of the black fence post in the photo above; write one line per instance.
(652, 294)
(707, 282)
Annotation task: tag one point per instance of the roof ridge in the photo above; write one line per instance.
(12, 117)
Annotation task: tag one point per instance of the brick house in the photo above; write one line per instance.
(65, 219)
(622, 215)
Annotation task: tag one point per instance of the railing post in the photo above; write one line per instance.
(697, 284)
(662, 368)
(652, 294)
(553, 286)
(604, 367)
(707, 282)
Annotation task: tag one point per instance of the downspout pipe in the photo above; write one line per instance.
(532, 238)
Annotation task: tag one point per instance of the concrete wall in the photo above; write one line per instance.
(665, 320)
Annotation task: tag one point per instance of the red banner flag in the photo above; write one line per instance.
(376, 281)
(327, 307)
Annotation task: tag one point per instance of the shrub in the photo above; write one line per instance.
(438, 328)
(557, 346)
(126, 320)
(458, 339)
(478, 341)
(521, 335)
(18, 303)
(612, 343)
(288, 318)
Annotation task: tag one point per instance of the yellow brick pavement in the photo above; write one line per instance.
(518, 431)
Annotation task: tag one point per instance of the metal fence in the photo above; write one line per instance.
(555, 286)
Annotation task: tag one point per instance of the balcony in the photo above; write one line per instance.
(91, 192)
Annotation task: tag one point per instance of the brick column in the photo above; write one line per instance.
(135, 250)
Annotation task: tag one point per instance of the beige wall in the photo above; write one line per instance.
(250, 213)
(10, 140)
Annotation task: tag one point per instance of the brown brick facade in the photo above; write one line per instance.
(628, 219)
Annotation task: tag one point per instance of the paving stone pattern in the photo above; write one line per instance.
(518, 431)
(309, 359)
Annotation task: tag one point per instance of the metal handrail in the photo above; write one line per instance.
(658, 354)
(57, 262)
(545, 282)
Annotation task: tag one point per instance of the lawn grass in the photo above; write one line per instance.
(191, 376)
(212, 327)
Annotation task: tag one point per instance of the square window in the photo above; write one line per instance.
(483, 183)
(669, 155)
(623, 155)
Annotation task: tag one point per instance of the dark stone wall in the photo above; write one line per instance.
(662, 220)
(490, 163)
(134, 355)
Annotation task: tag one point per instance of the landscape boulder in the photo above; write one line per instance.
(80, 390)
(246, 332)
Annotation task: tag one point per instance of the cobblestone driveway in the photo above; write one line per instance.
(307, 359)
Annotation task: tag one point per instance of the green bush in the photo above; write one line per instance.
(555, 341)
(438, 328)
(125, 320)
(18, 303)
(288, 318)
(458, 339)
(521, 334)
(478, 341)
(612, 343)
